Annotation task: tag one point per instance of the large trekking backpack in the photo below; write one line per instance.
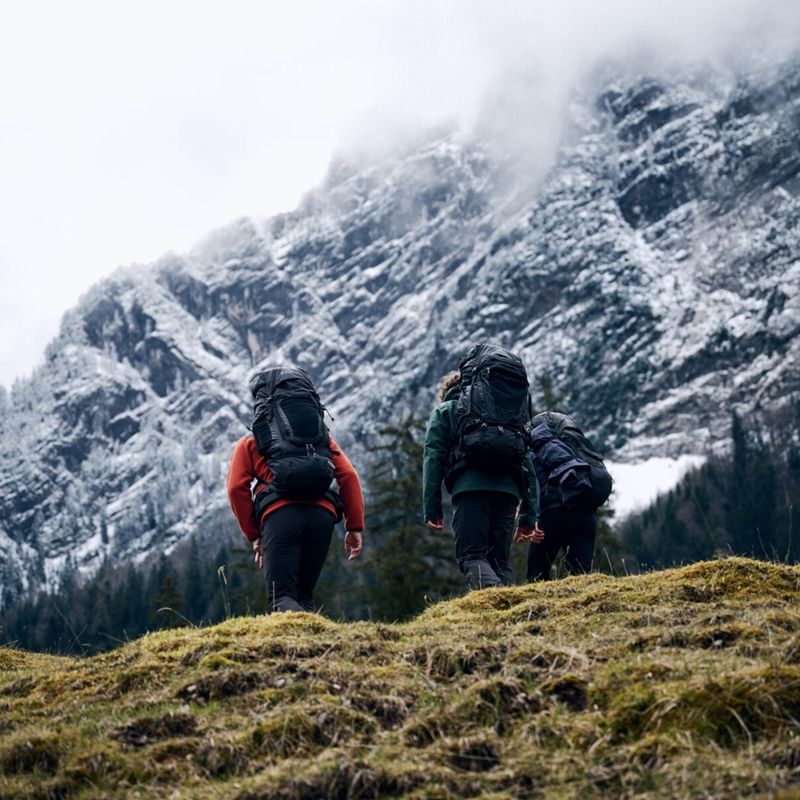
(568, 469)
(493, 410)
(290, 433)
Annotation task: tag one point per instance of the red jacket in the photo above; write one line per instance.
(247, 463)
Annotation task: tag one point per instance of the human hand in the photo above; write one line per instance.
(352, 544)
(524, 533)
(258, 552)
(435, 524)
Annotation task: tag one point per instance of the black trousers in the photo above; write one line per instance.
(483, 525)
(296, 539)
(574, 529)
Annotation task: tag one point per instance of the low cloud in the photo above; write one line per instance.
(129, 130)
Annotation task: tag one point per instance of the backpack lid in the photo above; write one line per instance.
(556, 422)
(296, 390)
(264, 383)
(493, 390)
(495, 357)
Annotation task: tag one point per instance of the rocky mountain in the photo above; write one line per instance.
(654, 274)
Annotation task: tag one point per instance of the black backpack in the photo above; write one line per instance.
(493, 410)
(568, 469)
(291, 435)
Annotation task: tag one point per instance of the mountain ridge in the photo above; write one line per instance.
(653, 275)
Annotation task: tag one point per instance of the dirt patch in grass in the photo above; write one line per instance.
(34, 754)
(570, 690)
(222, 684)
(20, 687)
(389, 711)
(305, 729)
(450, 661)
(497, 702)
(146, 730)
(221, 759)
(477, 753)
(338, 776)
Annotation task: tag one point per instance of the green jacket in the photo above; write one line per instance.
(440, 438)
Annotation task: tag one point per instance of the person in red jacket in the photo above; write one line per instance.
(291, 537)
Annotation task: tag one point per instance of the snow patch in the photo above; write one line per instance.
(637, 485)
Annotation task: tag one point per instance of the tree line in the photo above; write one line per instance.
(743, 503)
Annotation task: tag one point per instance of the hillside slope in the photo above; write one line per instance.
(684, 683)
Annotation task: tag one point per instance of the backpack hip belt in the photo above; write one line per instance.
(263, 499)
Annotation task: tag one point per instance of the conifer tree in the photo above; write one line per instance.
(550, 398)
(245, 583)
(194, 588)
(342, 591)
(409, 564)
(164, 594)
(136, 616)
(609, 550)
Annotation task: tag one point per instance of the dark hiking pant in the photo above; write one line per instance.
(483, 525)
(296, 540)
(573, 529)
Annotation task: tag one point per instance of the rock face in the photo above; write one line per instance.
(655, 276)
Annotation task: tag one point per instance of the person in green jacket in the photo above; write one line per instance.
(485, 504)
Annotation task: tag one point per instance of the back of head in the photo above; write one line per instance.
(450, 384)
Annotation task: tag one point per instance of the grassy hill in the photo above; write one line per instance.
(683, 683)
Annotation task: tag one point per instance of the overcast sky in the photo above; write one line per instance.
(130, 129)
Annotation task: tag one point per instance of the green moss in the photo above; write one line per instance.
(585, 688)
(214, 661)
(743, 705)
(10, 659)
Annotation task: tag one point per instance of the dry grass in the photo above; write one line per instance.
(684, 683)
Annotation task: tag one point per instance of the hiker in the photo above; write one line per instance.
(475, 443)
(573, 483)
(290, 512)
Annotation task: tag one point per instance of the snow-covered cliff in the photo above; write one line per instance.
(654, 275)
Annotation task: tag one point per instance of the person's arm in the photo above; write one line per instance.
(240, 476)
(529, 508)
(434, 460)
(349, 490)
(528, 529)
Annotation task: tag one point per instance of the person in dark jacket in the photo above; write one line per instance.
(567, 523)
(292, 537)
(485, 504)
